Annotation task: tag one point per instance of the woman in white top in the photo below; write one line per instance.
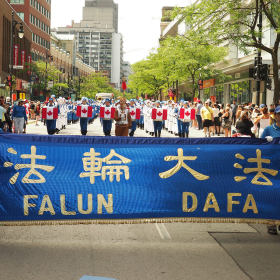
(217, 124)
(264, 119)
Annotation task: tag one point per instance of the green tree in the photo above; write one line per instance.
(94, 83)
(236, 22)
(44, 74)
(185, 60)
(148, 78)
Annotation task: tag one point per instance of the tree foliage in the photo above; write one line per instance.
(236, 21)
(178, 60)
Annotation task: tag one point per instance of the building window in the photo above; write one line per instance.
(31, 2)
(17, 2)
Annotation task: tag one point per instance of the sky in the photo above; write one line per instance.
(139, 22)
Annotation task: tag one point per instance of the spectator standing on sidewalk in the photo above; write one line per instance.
(234, 107)
(37, 111)
(198, 114)
(19, 116)
(207, 118)
(263, 119)
(2, 115)
(32, 110)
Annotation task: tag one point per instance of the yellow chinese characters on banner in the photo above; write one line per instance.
(93, 165)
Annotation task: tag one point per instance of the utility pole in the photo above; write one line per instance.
(259, 59)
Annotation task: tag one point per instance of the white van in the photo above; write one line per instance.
(100, 96)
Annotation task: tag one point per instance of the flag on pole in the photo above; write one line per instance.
(50, 113)
(159, 114)
(187, 114)
(84, 111)
(107, 112)
(135, 113)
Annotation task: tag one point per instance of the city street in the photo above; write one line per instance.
(95, 129)
(132, 252)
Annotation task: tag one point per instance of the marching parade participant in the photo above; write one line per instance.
(134, 116)
(123, 119)
(141, 121)
(84, 111)
(179, 122)
(157, 122)
(51, 116)
(185, 122)
(107, 119)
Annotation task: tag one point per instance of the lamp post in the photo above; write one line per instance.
(14, 23)
(48, 57)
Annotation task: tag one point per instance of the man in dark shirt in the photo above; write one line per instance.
(233, 107)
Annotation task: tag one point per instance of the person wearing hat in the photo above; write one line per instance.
(107, 122)
(269, 133)
(84, 121)
(123, 119)
(185, 124)
(177, 113)
(19, 116)
(157, 123)
(133, 125)
(51, 124)
(207, 118)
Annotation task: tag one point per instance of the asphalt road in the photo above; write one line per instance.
(132, 252)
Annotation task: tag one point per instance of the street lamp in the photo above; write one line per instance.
(14, 23)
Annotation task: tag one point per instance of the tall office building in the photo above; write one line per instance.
(97, 38)
(104, 13)
(37, 16)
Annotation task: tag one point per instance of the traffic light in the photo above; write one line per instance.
(9, 81)
(263, 72)
(200, 84)
(257, 66)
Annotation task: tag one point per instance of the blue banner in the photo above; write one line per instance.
(77, 179)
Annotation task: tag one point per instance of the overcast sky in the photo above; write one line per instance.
(139, 22)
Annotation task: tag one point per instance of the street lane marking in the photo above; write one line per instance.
(163, 231)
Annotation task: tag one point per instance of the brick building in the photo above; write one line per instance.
(5, 46)
(37, 15)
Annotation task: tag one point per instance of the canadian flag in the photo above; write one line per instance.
(159, 114)
(107, 112)
(187, 114)
(50, 113)
(84, 111)
(135, 113)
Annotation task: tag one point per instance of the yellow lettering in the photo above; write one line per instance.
(63, 208)
(80, 204)
(102, 202)
(231, 202)
(247, 206)
(211, 197)
(185, 202)
(43, 208)
(26, 204)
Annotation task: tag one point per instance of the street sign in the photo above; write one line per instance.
(2, 85)
(33, 79)
(50, 84)
(20, 67)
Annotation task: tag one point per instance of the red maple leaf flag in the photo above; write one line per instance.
(159, 114)
(107, 112)
(84, 111)
(187, 114)
(135, 113)
(50, 113)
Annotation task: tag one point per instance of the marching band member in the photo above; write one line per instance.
(84, 121)
(107, 122)
(185, 124)
(133, 126)
(123, 119)
(157, 123)
(51, 124)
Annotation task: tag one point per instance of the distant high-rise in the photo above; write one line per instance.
(104, 13)
(97, 38)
